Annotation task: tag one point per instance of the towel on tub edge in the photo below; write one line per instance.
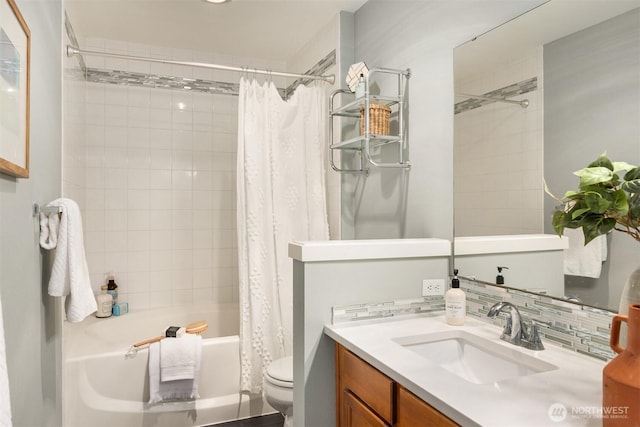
(179, 357)
(178, 389)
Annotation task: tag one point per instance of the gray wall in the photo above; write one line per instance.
(32, 337)
(319, 286)
(592, 104)
(420, 35)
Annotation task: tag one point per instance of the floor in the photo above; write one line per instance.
(273, 420)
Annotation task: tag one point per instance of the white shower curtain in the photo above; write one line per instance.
(281, 198)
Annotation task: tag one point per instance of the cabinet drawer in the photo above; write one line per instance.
(410, 408)
(357, 414)
(370, 385)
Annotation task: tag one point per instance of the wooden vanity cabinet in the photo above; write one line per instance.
(365, 397)
(411, 411)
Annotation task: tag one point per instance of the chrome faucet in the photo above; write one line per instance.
(516, 331)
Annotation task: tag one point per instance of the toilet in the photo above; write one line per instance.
(278, 388)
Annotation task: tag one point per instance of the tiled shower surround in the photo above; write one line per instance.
(154, 171)
(575, 327)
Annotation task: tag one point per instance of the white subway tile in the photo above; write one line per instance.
(181, 219)
(202, 141)
(203, 294)
(160, 267)
(181, 296)
(202, 179)
(139, 178)
(115, 261)
(182, 239)
(138, 199)
(160, 223)
(115, 220)
(202, 238)
(159, 199)
(138, 282)
(138, 240)
(138, 219)
(138, 261)
(160, 179)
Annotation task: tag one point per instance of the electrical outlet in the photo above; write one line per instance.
(432, 287)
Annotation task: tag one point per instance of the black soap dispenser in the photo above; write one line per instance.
(500, 277)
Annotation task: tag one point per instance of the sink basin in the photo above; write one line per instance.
(472, 358)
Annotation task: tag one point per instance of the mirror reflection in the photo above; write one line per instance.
(577, 66)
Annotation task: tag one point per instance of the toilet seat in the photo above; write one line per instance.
(280, 372)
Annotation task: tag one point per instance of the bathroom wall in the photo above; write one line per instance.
(581, 124)
(158, 185)
(30, 316)
(154, 171)
(419, 35)
(498, 167)
(326, 40)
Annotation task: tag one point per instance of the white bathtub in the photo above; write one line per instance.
(102, 388)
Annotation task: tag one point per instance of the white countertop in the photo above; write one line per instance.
(522, 401)
(342, 250)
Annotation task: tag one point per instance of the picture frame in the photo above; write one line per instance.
(15, 61)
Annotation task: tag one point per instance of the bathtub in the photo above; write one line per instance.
(102, 388)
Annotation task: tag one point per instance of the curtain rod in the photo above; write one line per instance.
(524, 103)
(71, 51)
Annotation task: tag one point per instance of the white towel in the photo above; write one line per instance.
(581, 260)
(166, 391)
(70, 273)
(178, 357)
(5, 399)
(49, 224)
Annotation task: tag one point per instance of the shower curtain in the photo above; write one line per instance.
(281, 198)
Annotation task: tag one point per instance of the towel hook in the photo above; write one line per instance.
(36, 210)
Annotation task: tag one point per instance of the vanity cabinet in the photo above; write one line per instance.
(412, 411)
(366, 397)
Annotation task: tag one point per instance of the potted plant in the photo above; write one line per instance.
(603, 201)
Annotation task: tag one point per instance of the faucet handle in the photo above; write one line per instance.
(533, 341)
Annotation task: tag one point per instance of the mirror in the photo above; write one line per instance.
(578, 66)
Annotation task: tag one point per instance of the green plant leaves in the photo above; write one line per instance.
(602, 161)
(595, 225)
(596, 203)
(603, 200)
(632, 181)
(594, 175)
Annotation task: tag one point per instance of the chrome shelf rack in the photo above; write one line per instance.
(363, 144)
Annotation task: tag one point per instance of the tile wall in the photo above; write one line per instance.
(498, 162)
(574, 327)
(154, 172)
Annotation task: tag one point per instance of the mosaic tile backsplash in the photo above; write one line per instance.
(572, 326)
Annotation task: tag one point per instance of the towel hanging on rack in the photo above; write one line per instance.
(70, 273)
(49, 225)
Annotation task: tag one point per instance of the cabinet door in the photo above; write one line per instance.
(357, 414)
(370, 385)
(411, 411)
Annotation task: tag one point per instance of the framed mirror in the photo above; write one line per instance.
(577, 66)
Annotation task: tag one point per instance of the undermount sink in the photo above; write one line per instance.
(473, 358)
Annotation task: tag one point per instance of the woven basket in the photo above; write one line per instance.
(378, 119)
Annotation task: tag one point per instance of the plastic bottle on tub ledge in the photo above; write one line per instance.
(105, 304)
(112, 288)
